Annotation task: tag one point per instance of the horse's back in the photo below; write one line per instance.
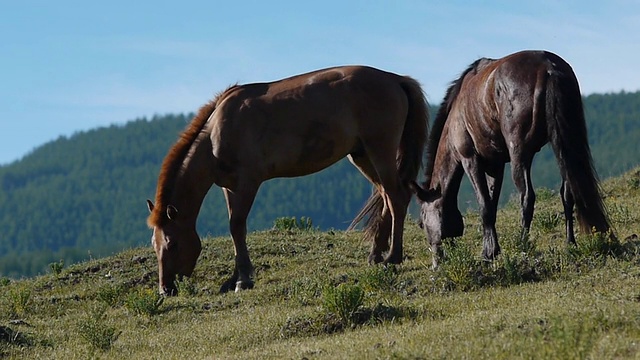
(302, 124)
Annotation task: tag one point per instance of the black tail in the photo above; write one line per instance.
(409, 155)
(567, 131)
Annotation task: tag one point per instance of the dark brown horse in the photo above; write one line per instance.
(292, 127)
(506, 110)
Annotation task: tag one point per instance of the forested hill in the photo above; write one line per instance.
(84, 196)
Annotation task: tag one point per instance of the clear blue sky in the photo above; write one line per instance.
(67, 66)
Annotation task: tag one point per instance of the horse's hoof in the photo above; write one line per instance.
(243, 285)
(227, 286)
(393, 259)
(375, 259)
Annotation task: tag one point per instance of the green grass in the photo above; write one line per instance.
(316, 298)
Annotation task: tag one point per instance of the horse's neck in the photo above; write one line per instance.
(447, 174)
(194, 180)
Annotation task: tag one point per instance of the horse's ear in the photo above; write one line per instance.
(425, 195)
(417, 189)
(149, 205)
(172, 212)
(434, 193)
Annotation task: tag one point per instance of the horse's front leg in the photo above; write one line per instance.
(488, 210)
(238, 204)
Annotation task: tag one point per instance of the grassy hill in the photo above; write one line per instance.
(315, 298)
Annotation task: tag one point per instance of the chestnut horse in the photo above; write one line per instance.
(506, 110)
(292, 127)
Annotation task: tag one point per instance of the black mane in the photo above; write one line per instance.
(441, 119)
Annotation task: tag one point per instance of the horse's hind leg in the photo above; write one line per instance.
(239, 204)
(568, 202)
(521, 173)
(494, 183)
(382, 222)
(397, 196)
(490, 246)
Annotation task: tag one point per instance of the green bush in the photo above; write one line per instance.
(186, 287)
(112, 295)
(291, 223)
(95, 330)
(56, 267)
(144, 302)
(459, 266)
(382, 278)
(20, 301)
(547, 220)
(343, 300)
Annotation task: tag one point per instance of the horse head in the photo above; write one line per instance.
(177, 248)
(438, 218)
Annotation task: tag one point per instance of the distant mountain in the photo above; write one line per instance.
(84, 196)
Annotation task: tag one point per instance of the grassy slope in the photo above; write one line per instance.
(541, 301)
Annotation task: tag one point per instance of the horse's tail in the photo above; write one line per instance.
(414, 135)
(567, 131)
(409, 156)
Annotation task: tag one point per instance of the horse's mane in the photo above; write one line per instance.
(173, 161)
(441, 119)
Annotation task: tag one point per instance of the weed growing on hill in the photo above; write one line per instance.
(377, 278)
(56, 267)
(186, 287)
(112, 295)
(547, 220)
(20, 301)
(343, 300)
(291, 224)
(144, 302)
(459, 267)
(95, 330)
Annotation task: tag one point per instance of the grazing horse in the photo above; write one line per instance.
(292, 127)
(502, 110)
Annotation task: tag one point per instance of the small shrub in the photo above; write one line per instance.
(634, 182)
(525, 245)
(291, 223)
(459, 266)
(95, 330)
(544, 194)
(511, 270)
(548, 220)
(343, 300)
(4, 281)
(56, 267)
(20, 301)
(186, 287)
(597, 245)
(112, 295)
(382, 278)
(621, 214)
(144, 302)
